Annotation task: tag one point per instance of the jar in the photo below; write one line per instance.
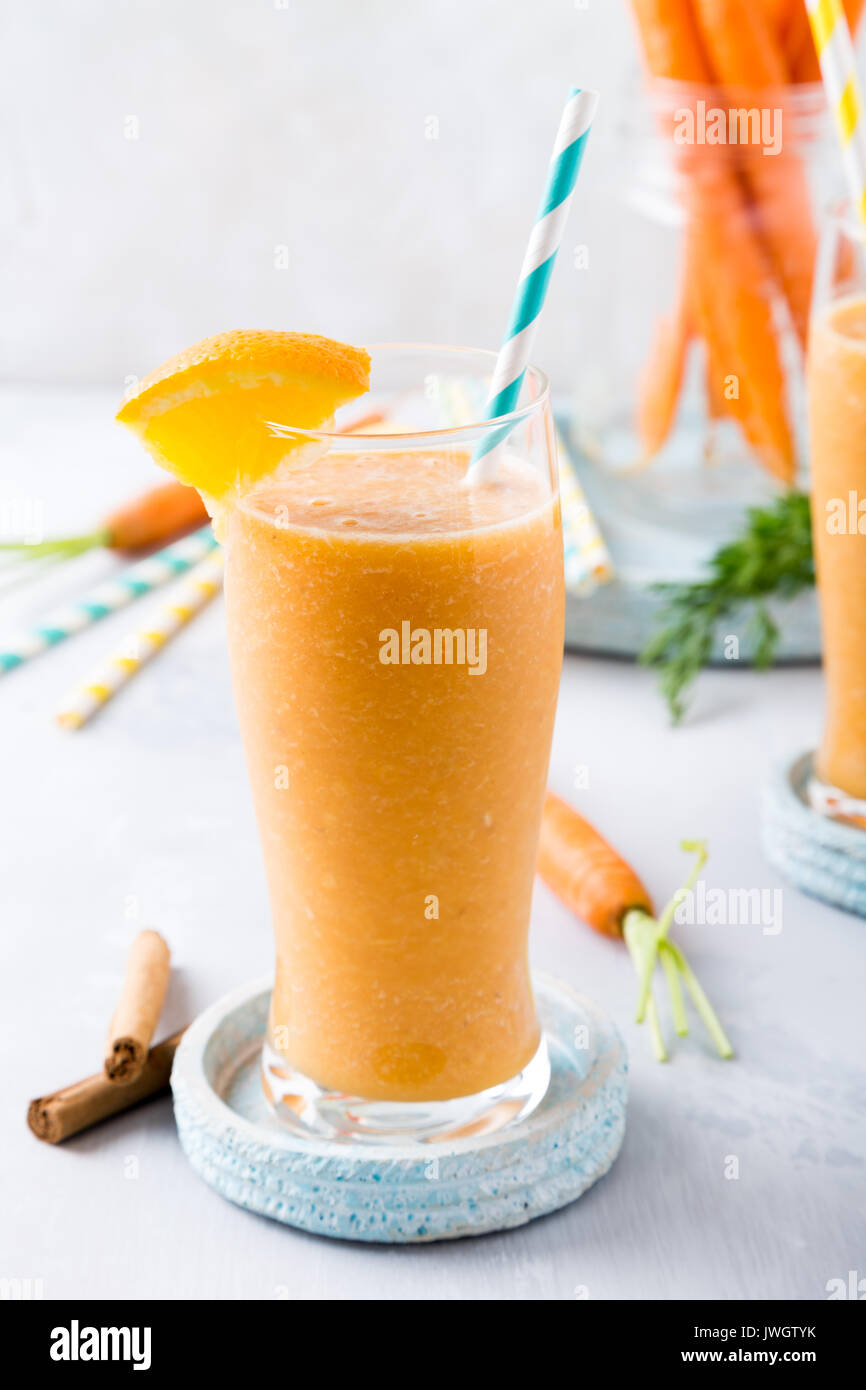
(693, 405)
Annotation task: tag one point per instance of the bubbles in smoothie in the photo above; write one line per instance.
(420, 492)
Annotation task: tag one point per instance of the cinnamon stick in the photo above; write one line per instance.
(84, 1103)
(137, 1013)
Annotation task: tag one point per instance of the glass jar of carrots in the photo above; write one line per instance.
(725, 162)
(696, 398)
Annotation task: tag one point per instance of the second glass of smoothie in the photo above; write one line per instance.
(395, 630)
(837, 416)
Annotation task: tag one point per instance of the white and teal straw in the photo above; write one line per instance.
(108, 597)
(586, 556)
(535, 272)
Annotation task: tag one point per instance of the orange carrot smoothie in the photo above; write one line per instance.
(837, 403)
(396, 642)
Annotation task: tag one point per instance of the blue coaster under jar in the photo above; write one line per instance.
(823, 856)
(409, 1193)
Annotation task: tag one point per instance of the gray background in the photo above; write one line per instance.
(303, 127)
(296, 132)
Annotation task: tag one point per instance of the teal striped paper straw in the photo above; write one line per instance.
(537, 265)
(108, 597)
(586, 556)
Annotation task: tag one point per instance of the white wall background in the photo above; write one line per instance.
(297, 124)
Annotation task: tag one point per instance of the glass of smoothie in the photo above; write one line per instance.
(395, 620)
(837, 410)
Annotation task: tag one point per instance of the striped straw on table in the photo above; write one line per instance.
(106, 598)
(535, 272)
(839, 72)
(197, 589)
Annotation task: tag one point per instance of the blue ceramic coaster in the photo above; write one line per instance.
(434, 1191)
(824, 857)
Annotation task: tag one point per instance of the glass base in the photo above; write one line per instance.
(306, 1109)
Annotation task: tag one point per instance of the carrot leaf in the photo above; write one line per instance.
(678, 1010)
(62, 548)
(771, 558)
(701, 1002)
(639, 931)
(648, 941)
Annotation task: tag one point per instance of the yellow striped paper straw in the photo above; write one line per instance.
(198, 588)
(587, 558)
(839, 71)
(108, 597)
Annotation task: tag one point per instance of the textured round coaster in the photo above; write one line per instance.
(824, 857)
(434, 1191)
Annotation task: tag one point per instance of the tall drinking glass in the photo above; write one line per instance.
(837, 409)
(395, 632)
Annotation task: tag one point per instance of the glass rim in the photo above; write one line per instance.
(511, 418)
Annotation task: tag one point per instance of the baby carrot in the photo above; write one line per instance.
(597, 884)
(741, 48)
(155, 517)
(777, 14)
(173, 509)
(722, 251)
(738, 321)
(714, 384)
(746, 56)
(672, 50)
(662, 375)
(585, 872)
(670, 40)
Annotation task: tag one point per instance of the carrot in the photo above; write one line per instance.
(585, 872)
(714, 383)
(746, 56)
(731, 310)
(742, 334)
(671, 43)
(172, 509)
(733, 314)
(741, 48)
(723, 248)
(155, 517)
(725, 397)
(661, 380)
(672, 50)
(599, 886)
(799, 48)
(777, 14)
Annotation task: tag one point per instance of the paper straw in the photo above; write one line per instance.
(116, 593)
(839, 71)
(586, 556)
(198, 588)
(587, 559)
(535, 272)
